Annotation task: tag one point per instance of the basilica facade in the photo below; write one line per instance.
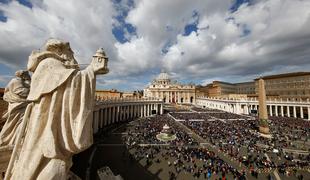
(162, 87)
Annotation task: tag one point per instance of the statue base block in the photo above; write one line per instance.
(265, 135)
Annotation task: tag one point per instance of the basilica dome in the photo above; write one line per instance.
(163, 76)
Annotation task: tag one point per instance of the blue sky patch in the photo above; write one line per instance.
(26, 3)
(122, 29)
(189, 28)
(3, 18)
(237, 4)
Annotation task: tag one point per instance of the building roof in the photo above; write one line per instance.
(275, 76)
(222, 82)
(249, 82)
(107, 90)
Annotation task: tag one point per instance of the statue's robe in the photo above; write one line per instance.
(59, 123)
(15, 94)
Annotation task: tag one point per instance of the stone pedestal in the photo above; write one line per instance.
(264, 130)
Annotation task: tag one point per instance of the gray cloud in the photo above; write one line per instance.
(277, 40)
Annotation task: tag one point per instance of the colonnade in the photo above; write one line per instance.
(118, 110)
(275, 107)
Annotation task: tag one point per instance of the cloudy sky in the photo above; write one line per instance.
(194, 40)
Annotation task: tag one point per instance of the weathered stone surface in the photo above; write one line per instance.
(59, 117)
(15, 94)
(5, 152)
(263, 116)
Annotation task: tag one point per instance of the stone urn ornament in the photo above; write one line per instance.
(100, 58)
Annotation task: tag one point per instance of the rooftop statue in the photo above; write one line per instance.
(15, 94)
(58, 121)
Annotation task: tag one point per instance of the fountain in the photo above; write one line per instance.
(166, 135)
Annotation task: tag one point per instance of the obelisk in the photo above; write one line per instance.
(263, 117)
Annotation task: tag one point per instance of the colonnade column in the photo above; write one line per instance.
(95, 122)
(130, 111)
(109, 115)
(156, 108)
(121, 113)
(117, 114)
(276, 110)
(308, 113)
(301, 112)
(144, 110)
(282, 112)
(135, 110)
(246, 109)
(288, 111)
(126, 112)
(100, 118)
(270, 110)
(294, 111)
(113, 114)
(105, 116)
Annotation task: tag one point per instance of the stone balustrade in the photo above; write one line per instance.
(111, 111)
(275, 107)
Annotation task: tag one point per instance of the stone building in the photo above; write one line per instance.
(128, 95)
(201, 91)
(294, 85)
(170, 91)
(245, 88)
(219, 88)
(108, 94)
(225, 89)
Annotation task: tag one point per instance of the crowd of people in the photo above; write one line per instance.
(236, 137)
(240, 140)
(190, 116)
(183, 155)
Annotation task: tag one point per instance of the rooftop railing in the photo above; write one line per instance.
(254, 100)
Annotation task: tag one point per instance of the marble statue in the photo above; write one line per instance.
(59, 117)
(15, 94)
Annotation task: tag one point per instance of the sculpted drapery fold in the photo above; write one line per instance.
(15, 94)
(60, 123)
(59, 118)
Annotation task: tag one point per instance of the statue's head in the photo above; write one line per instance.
(25, 76)
(62, 49)
(22, 74)
(56, 48)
